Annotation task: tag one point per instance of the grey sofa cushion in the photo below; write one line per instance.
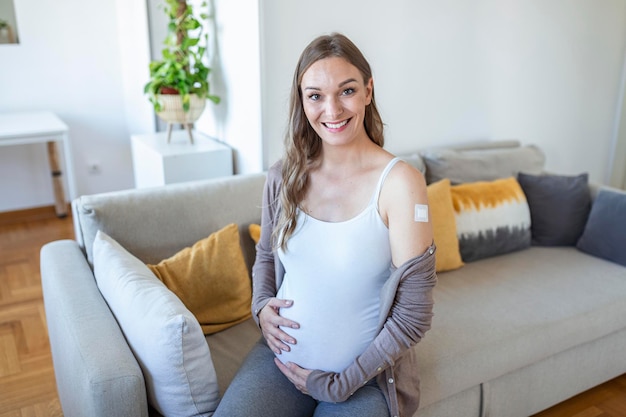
(559, 206)
(155, 225)
(472, 165)
(500, 314)
(230, 347)
(486, 144)
(605, 231)
(415, 160)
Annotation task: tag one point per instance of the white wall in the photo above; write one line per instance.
(7, 13)
(87, 61)
(67, 62)
(447, 71)
(234, 49)
(133, 47)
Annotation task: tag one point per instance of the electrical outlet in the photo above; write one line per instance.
(94, 168)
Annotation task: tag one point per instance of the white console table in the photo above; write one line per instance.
(157, 162)
(42, 127)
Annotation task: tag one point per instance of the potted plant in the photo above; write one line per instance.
(178, 87)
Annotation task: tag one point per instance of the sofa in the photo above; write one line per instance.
(517, 327)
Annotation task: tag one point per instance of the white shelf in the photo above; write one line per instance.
(157, 162)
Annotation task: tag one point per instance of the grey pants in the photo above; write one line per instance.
(260, 389)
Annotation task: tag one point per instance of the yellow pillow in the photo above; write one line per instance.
(211, 279)
(444, 226)
(255, 232)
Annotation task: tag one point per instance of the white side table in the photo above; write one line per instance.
(42, 127)
(156, 162)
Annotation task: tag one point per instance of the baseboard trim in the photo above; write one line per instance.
(29, 215)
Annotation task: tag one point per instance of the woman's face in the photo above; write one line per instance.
(334, 97)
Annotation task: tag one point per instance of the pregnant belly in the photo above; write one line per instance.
(332, 333)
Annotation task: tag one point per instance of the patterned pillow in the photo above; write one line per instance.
(492, 218)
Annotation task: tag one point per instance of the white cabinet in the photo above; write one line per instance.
(157, 162)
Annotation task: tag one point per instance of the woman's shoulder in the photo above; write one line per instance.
(275, 173)
(406, 174)
(403, 182)
(276, 166)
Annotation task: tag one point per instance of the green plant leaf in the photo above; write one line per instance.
(181, 66)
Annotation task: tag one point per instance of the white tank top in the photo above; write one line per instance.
(333, 273)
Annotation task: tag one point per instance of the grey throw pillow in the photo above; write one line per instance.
(471, 165)
(559, 207)
(605, 233)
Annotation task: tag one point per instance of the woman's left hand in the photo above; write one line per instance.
(295, 374)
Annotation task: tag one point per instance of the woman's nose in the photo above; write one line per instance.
(333, 108)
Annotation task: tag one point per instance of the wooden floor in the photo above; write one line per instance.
(27, 386)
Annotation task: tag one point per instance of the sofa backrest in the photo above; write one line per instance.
(155, 223)
(482, 163)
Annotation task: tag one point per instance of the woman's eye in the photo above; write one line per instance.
(314, 97)
(348, 91)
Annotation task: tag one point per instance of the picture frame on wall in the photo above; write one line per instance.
(8, 23)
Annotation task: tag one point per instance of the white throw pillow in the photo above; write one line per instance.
(164, 336)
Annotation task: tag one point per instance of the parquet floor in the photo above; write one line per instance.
(606, 400)
(27, 385)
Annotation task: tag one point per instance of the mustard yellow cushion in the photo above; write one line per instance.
(211, 279)
(444, 226)
(255, 232)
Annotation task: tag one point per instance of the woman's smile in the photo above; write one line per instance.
(336, 127)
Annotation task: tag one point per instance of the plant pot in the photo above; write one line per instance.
(172, 112)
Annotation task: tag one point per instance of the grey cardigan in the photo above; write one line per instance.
(405, 315)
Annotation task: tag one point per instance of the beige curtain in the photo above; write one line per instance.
(617, 174)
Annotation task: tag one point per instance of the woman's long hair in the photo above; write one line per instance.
(302, 144)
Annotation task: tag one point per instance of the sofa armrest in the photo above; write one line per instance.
(96, 372)
(595, 187)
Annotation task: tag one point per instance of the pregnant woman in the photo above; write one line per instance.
(343, 278)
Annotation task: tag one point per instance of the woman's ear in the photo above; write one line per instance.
(369, 88)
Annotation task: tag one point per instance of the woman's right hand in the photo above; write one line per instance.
(270, 320)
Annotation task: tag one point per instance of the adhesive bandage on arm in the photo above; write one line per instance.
(421, 213)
